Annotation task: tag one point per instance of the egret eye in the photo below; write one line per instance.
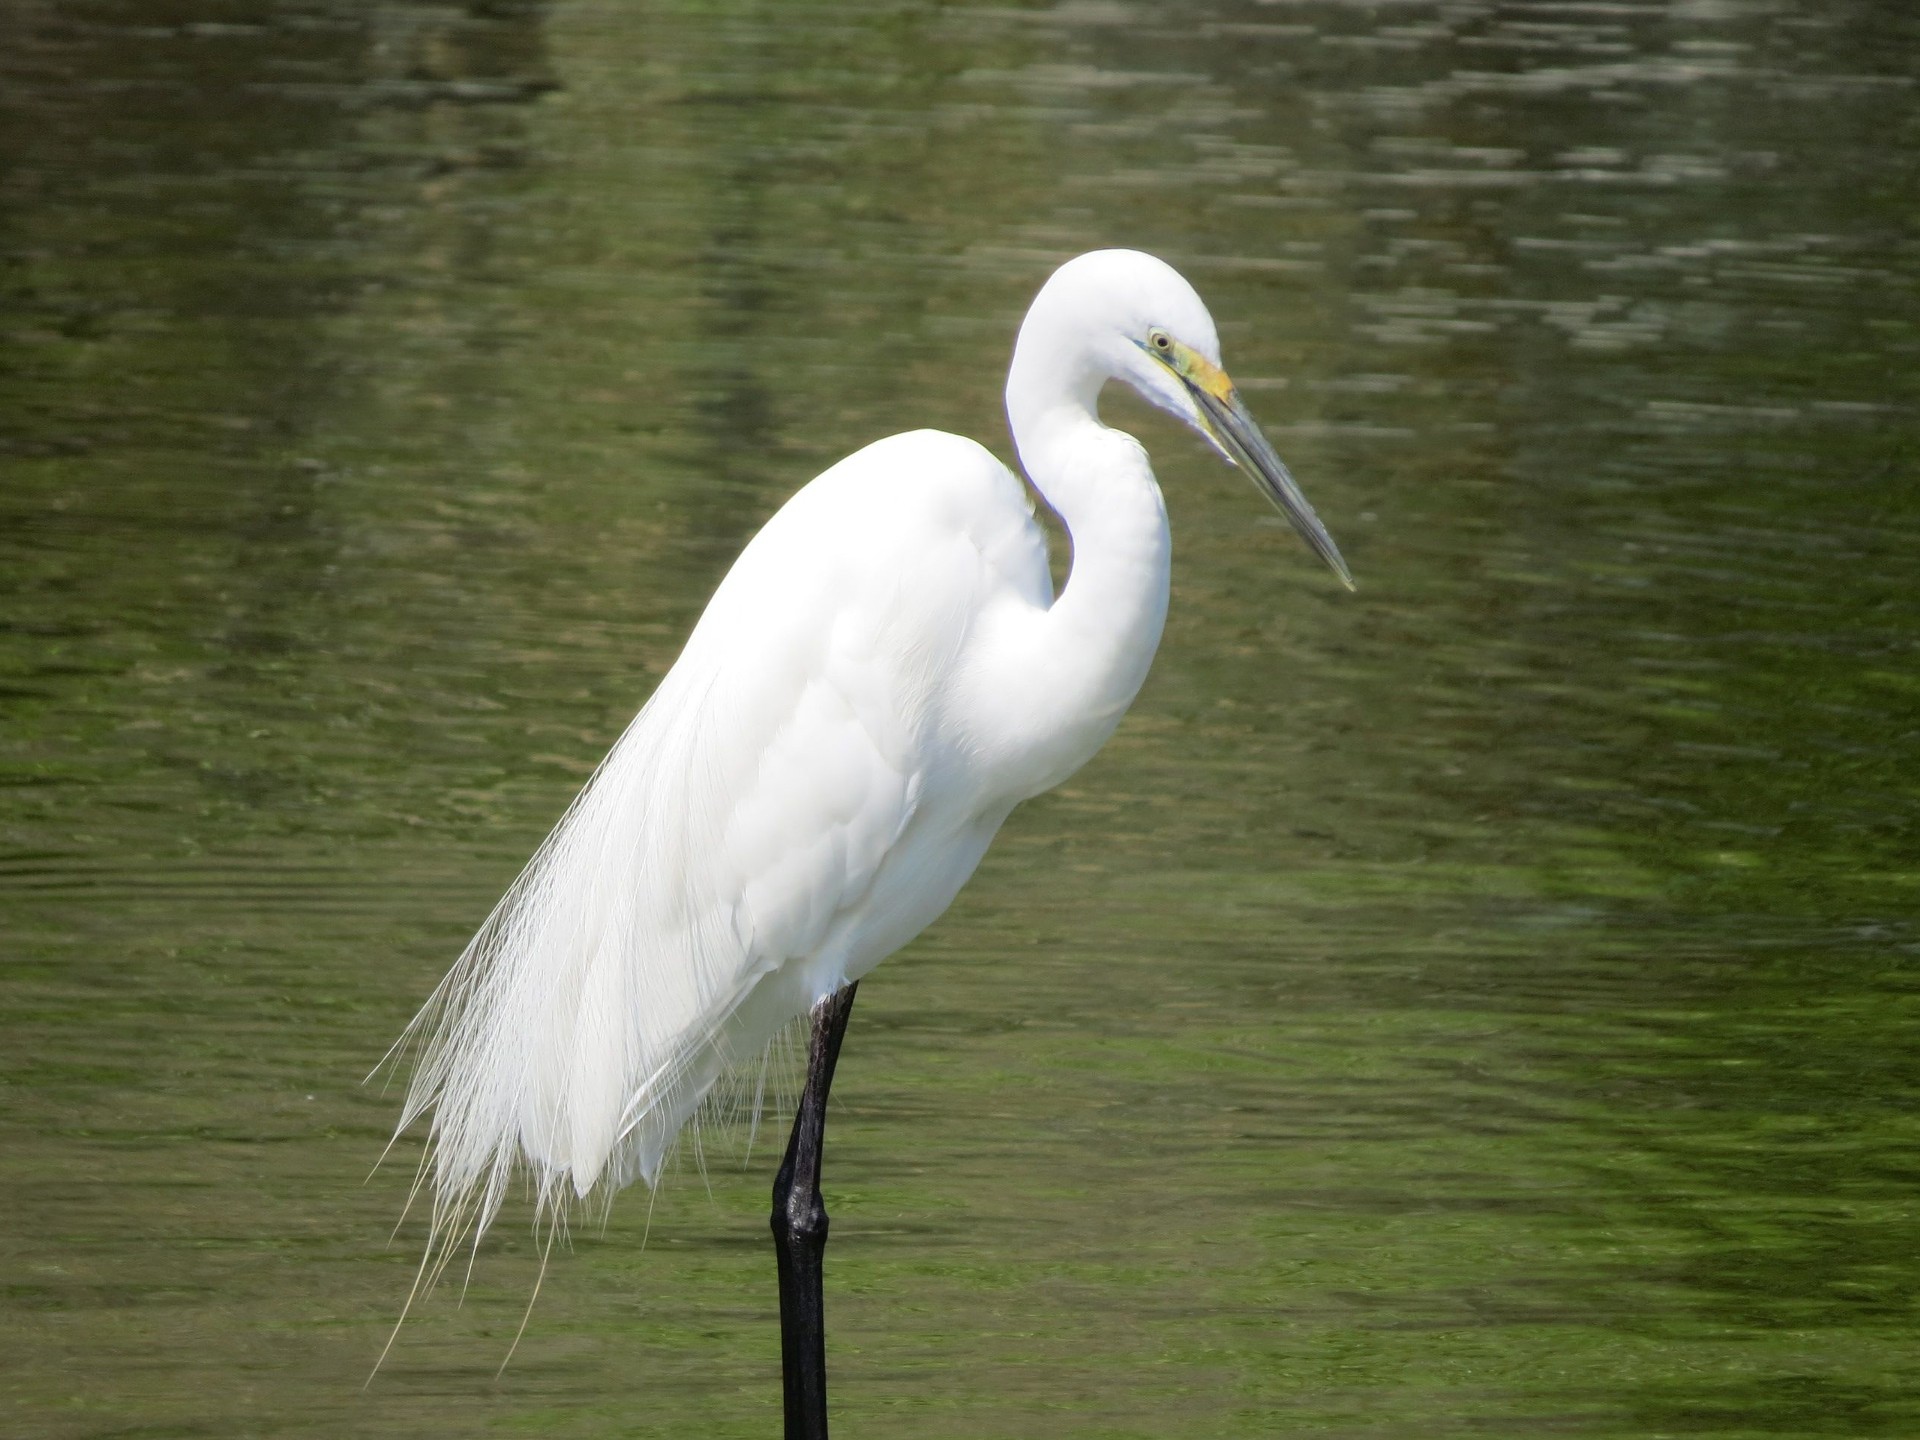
(1162, 341)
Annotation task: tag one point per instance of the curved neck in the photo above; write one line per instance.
(1090, 651)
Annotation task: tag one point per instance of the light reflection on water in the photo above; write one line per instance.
(1480, 1003)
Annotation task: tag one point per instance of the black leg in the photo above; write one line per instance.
(800, 1230)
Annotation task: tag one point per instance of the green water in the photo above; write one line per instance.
(1481, 1005)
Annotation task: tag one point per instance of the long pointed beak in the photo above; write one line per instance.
(1239, 437)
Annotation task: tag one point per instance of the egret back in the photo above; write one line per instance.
(792, 804)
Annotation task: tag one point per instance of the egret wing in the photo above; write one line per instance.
(682, 909)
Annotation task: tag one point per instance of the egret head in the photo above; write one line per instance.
(1132, 317)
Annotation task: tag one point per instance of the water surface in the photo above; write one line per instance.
(1482, 1004)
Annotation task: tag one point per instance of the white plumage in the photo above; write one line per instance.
(884, 673)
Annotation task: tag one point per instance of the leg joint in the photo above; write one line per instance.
(802, 1218)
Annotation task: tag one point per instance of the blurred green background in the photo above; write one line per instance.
(1481, 1005)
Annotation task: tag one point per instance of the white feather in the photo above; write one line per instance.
(722, 870)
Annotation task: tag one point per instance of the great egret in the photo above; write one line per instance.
(882, 676)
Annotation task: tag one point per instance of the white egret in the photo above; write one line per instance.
(882, 676)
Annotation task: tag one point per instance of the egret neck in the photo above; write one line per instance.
(1088, 654)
